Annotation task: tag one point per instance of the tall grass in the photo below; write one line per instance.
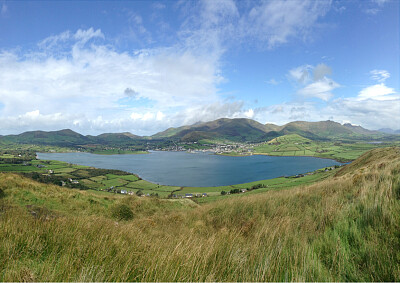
(345, 228)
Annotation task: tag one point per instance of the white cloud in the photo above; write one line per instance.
(320, 89)
(375, 6)
(257, 24)
(275, 22)
(377, 92)
(93, 79)
(314, 81)
(301, 74)
(85, 35)
(371, 114)
(380, 75)
(273, 82)
(160, 116)
(249, 113)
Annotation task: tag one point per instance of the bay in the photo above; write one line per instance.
(196, 169)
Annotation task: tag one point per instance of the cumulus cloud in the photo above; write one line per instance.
(377, 92)
(314, 81)
(92, 79)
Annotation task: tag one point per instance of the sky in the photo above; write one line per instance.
(145, 66)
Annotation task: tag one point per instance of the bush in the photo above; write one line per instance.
(223, 193)
(122, 212)
(2, 194)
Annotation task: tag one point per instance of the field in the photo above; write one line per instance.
(295, 145)
(114, 181)
(343, 228)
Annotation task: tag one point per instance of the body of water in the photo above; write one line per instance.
(196, 169)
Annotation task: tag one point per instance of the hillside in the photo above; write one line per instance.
(68, 137)
(344, 228)
(225, 129)
(233, 130)
(247, 130)
(64, 137)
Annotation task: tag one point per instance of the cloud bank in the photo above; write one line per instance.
(80, 80)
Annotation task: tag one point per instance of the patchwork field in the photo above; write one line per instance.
(114, 181)
(295, 145)
(343, 228)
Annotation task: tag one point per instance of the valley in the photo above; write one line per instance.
(341, 227)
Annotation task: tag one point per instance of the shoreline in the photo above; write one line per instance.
(200, 187)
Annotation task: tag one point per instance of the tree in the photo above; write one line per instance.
(223, 193)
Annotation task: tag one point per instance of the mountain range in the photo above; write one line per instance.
(236, 130)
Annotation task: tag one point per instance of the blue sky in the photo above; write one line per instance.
(144, 66)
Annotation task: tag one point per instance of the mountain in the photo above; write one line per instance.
(235, 130)
(240, 130)
(64, 137)
(68, 137)
(359, 129)
(250, 130)
(389, 131)
(324, 130)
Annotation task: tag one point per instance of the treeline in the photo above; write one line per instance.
(53, 179)
(237, 191)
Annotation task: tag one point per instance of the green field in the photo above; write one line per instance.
(84, 177)
(295, 145)
(344, 227)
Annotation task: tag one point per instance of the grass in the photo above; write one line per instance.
(295, 145)
(343, 228)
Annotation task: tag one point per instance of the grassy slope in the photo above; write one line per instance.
(295, 145)
(345, 228)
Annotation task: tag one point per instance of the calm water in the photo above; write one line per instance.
(196, 169)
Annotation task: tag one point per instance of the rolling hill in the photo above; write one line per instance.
(234, 130)
(245, 130)
(240, 130)
(64, 137)
(68, 137)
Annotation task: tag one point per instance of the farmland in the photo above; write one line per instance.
(341, 228)
(115, 181)
(295, 145)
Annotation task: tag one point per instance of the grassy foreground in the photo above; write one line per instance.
(344, 228)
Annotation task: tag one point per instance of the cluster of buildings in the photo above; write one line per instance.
(190, 195)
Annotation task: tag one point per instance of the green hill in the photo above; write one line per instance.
(68, 137)
(324, 130)
(344, 228)
(61, 138)
(234, 130)
(241, 130)
(247, 130)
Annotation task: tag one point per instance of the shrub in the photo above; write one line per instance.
(122, 212)
(2, 194)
